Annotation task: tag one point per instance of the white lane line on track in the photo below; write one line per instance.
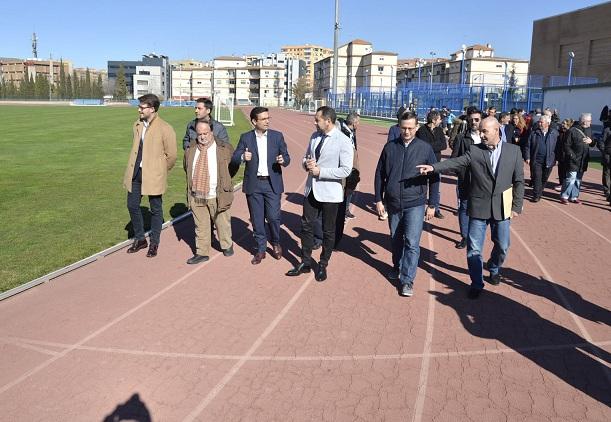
(234, 370)
(426, 359)
(565, 303)
(597, 233)
(21, 342)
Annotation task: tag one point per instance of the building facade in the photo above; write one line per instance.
(581, 38)
(310, 54)
(359, 68)
(16, 70)
(149, 61)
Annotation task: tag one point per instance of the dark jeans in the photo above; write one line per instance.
(133, 206)
(606, 161)
(312, 210)
(540, 175)
(264, 204)
(561, 172)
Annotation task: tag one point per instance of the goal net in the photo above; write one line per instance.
(223, 110)
(313, 105)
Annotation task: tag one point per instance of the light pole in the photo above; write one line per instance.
(505, 88)
(462, 65)
(419, 62)
(571, 56)
(433, 54)
(180, 84)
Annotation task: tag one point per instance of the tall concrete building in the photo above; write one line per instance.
(293, 70)
(308, 53)
(16, 70)
(581, 38)
(359, 68)
(152, 73)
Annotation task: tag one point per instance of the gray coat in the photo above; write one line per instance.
(486, 190)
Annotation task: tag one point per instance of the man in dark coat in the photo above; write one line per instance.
(577, 154)
(540, 154)
(432, 133)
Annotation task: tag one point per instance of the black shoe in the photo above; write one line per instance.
(407, 290)
(474, 293)
(196, 259)
(536, 199)
(321, 274)
(439, 215)
(462, 244)
(495, 279)
(317, 246)
(152, 252)
(228, 251)
(298, 270)
(137, 245)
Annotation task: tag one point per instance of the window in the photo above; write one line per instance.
(143, 83)
(380, 68)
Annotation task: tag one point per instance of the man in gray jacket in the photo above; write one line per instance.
(328, 160)
(203, 110)
(496, 193)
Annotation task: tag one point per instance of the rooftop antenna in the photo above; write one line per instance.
(35, 45)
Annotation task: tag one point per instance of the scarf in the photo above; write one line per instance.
(200, 187)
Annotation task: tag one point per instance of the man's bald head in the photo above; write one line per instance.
(489, 131)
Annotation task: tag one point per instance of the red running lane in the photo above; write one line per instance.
(230, 341)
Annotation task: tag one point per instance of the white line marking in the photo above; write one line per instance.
(30, 347)
(426, 359)
(581, 222)
(234, 370)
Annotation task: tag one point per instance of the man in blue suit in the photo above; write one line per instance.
(265, 153)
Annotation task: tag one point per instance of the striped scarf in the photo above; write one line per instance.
(200, 187)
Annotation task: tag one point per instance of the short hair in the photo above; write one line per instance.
(585, 116)
(492, 108)
(503, 115)
(254, 113)
(409, 115)
(473, 110)
(352, 117)
(204, 120)
(150, 100)
(547, 112)
(432, 115)
(569, 122)
(546, 118)
(327, 113)
(206, 102)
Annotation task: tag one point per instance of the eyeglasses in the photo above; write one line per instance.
(144, 108)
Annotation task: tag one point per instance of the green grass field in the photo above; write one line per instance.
(61, 175)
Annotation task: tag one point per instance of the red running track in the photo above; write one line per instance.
(130, 337)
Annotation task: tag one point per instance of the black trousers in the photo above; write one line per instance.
(540, 175)
(133, 206)
(312, 210)
(606, 161)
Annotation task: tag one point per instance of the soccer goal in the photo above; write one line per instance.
(313, 105)
(223, 110)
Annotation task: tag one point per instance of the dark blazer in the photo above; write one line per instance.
(275, 146)
(436, 138)
(532, 148)
(393, 133)
(509, 132)
(486, 190)
(576, 152)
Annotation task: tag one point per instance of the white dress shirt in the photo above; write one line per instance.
(262, 170)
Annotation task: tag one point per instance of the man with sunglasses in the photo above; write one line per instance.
(461, 146)
(152, 156)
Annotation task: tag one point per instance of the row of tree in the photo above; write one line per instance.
(39, 88)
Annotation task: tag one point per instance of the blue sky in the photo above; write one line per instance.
(89, 34)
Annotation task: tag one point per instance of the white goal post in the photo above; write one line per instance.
(223, 110)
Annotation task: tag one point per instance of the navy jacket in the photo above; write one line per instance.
(532, 147)
(397, 180)
(275, 146)
(393, 133)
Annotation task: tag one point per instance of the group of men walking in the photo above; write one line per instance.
(491, 185)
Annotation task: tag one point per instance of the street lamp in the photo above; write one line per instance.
(462, 65)
(433, 54)
(505, 88)
(420, 63)
(571, 56)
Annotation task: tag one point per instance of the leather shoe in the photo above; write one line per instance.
(495, 279)
(277, 251)
(152, 250)
(259, 256)
(321, 274)
(137, 245)
(474, 293)
(299, 269)
(196, 259)
(228, 251)
(439, 215)
(316, 246)
(462, 244)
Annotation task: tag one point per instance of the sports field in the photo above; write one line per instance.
(61, 175)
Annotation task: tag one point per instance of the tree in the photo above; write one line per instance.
(87, 85)
(121, 85)
(76, 85)
(69, 93)
(300, 89)
(512, 83)
(98, 89)
(26, 88)
(62, 80)
(41, 87)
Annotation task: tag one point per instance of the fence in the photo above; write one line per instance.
(425, 95)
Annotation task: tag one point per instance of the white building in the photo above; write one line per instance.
(147, 80)
(359, 67)
(192, 83)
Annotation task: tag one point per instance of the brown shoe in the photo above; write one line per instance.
(277, 251)
(259, 256)
(137, 245)
(152, 250)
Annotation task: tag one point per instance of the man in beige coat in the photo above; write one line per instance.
(152, 156)
(210, 190)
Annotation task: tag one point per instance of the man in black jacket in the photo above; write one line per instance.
(577, 154)
(203, 110)
(432, 133)
(399, 185)
(540, 154)
(495, 196)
